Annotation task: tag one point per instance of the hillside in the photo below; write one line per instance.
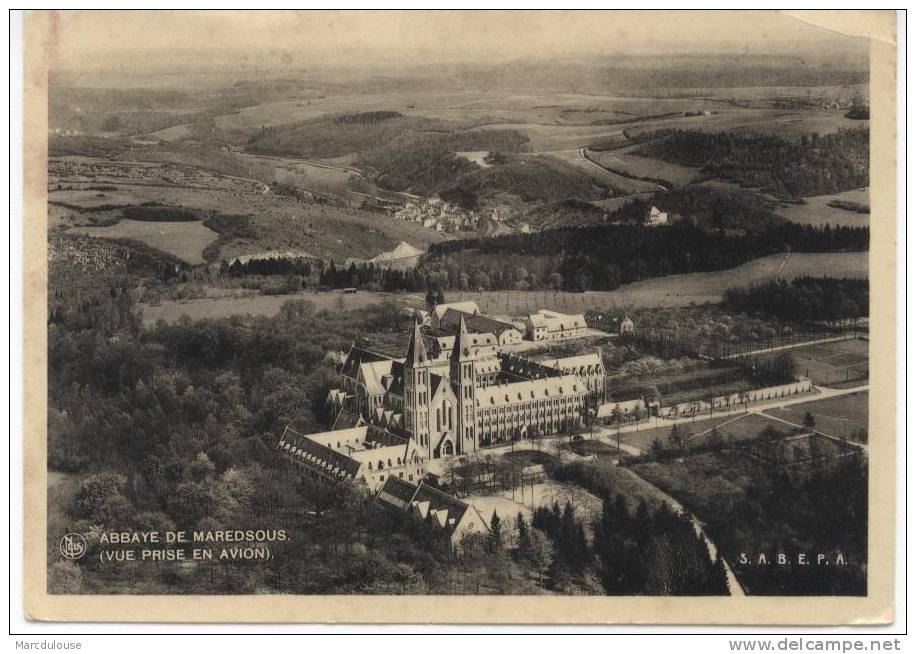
(810, 165)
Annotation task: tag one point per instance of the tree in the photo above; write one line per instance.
(809, 421)
(496, 532)
(440, 296)
(714, 440)
(523, 534)
(539, 553)
(657, 448)
(676, 438)
(65, 578)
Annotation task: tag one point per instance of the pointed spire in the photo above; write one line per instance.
(416, 349)
(462, 348)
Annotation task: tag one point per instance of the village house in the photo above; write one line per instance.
(656, 217)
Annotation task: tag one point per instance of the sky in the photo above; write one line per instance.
(355, 38)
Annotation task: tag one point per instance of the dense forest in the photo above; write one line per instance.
(804, 299)
(751, 508)
(603, 257)
(811, 165)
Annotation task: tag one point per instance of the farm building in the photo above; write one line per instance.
(505, 332)
(548, 325)
(464, 307)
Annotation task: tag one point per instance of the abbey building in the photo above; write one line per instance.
(446, 397)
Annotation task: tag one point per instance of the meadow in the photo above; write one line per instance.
(266, 305)
(185, 239)
(845, 416)
(817, 210)
(632, 165)
(839, 363)
(738, 427)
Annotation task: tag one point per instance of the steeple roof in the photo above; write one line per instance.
(416, 350)
(462, 349)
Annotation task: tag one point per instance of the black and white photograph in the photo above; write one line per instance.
(459, 303)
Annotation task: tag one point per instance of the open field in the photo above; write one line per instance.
(185, 240)
(623, 182)
(845, 416)
(739, 427)
(833, 363)
(633, 165)
(266, 305)
(526, 499)
(816, 211)
(671, 291)
(674, 290)
(278, 223)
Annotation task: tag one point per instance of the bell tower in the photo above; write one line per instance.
(416, 391)
(462, 376)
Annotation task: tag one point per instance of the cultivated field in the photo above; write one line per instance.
(185, 239)
(845, 416)
(816, 211)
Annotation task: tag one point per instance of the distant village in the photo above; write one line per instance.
(449, 218)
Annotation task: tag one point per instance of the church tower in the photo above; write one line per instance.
(416, 391)
(461, 373)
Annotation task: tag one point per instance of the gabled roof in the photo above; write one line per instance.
(356, 357)
(467, 307)
(476, 322)
(528, 391)
(581, 364)
(347, 419)
(397, 492)
(554, 320)
(447, 510)
(313, 454)
(372, 374)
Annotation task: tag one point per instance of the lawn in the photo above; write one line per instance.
(845, 416)
(588, 447)
(528, 457)
(698, 429)
(183, 239)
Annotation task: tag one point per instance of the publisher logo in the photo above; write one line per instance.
(72, 546)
